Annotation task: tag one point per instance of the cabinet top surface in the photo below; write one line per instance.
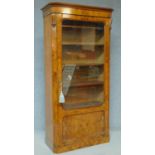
(76, 6)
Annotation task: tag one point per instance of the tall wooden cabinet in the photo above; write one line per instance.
(77, 49)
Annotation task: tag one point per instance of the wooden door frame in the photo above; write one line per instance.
(107, 24)
(58, 111)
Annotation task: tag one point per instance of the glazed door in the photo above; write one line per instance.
(82, 78)
(82, 113)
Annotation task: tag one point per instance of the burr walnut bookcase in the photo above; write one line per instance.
(77, 50)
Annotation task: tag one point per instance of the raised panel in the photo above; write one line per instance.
(83, 126)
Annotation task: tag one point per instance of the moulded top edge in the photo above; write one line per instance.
(77, 6)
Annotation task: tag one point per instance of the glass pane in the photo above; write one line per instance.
(83, 60)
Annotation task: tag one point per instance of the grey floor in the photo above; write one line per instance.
(112, 148)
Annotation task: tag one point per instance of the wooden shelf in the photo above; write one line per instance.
(86, 84)
(80, 95)
(83, 63)
(82, 27)
(81, 43)
(81, 105)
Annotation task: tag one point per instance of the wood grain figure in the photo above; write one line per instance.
(77, 73)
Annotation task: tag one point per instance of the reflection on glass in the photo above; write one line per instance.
(83, 60)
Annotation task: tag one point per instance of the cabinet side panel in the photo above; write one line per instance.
(48, 80)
